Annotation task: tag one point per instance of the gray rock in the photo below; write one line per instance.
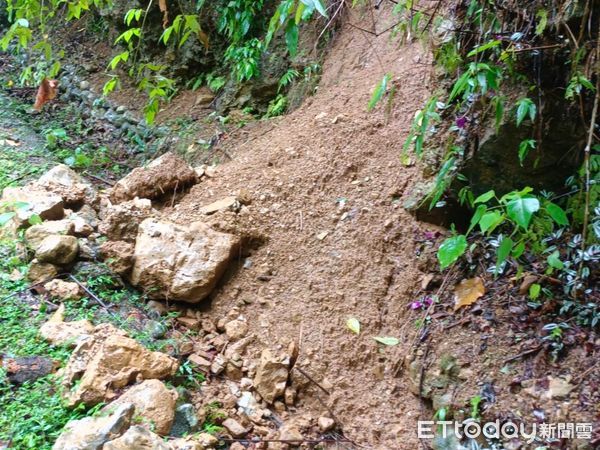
(186, 420)
(91, 433)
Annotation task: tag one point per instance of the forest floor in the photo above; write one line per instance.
(329, 241)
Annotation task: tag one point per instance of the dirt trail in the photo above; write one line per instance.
(332, 168)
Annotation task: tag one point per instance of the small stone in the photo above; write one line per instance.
(186, 420)
(138, 438)
(200, 362)
(227, 203)
(65, 290)
(157, 307)
(236, 329)
(37, 233)
(235, 428)
(289, 396)
(118, 256)
(206, 440)
(271, 376)
(57, 249)
(189, 322)
(325, 424)
(58, 332)
(218, 365)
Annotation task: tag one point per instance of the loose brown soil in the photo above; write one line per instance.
(332, 168)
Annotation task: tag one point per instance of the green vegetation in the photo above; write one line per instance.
(242, 23)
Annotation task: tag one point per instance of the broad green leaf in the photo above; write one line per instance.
(451, 249)
(524, 148)
(490, 220)
(534, 291)
(503, 251)
(518, 250)
(522, 209)
(525, 107)
(484, 198)
(317, 4)
(6, 217)
(291, 38)
(557, 213)
(34, 219)
(378, 92)
(554, 260)
(481, 209)
(353, 325)
(387, 340)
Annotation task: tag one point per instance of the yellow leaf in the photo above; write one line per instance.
(467, 292)
(353, 325)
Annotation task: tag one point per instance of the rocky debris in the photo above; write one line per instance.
(65, 290)
(40, 271)
(161, 176)
(236, 329)
(91, 433)
(26, 368)
(203, 364)
(189, 322)
(57, 249)
(185, 421)
(58, 332)
(236, 429)
(36, 202)
(180, 262)
(69, 185)
(87, 214)
(325, 424)
(153, 402)
(137, 438)
(108, 361)
(271, 376)
(37, 233)
(120, 222)
(200, 441)
(118, 256)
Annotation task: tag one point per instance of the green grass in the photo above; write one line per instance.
(32, 415)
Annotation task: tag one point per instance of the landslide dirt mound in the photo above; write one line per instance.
(326, 183)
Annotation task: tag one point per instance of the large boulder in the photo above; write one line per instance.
(180, 262)
(154, 404)
(120, 222)
(91, 433)
(271, 375)
(161, 176)
(32, 200)
(57, 249)
(109, 361)
(69, 185)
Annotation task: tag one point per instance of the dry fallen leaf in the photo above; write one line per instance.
(162, 4)
(46, 92)
(467, 292)
(528, 280)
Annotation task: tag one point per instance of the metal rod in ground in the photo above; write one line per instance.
(311, 379)
(90, 293)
